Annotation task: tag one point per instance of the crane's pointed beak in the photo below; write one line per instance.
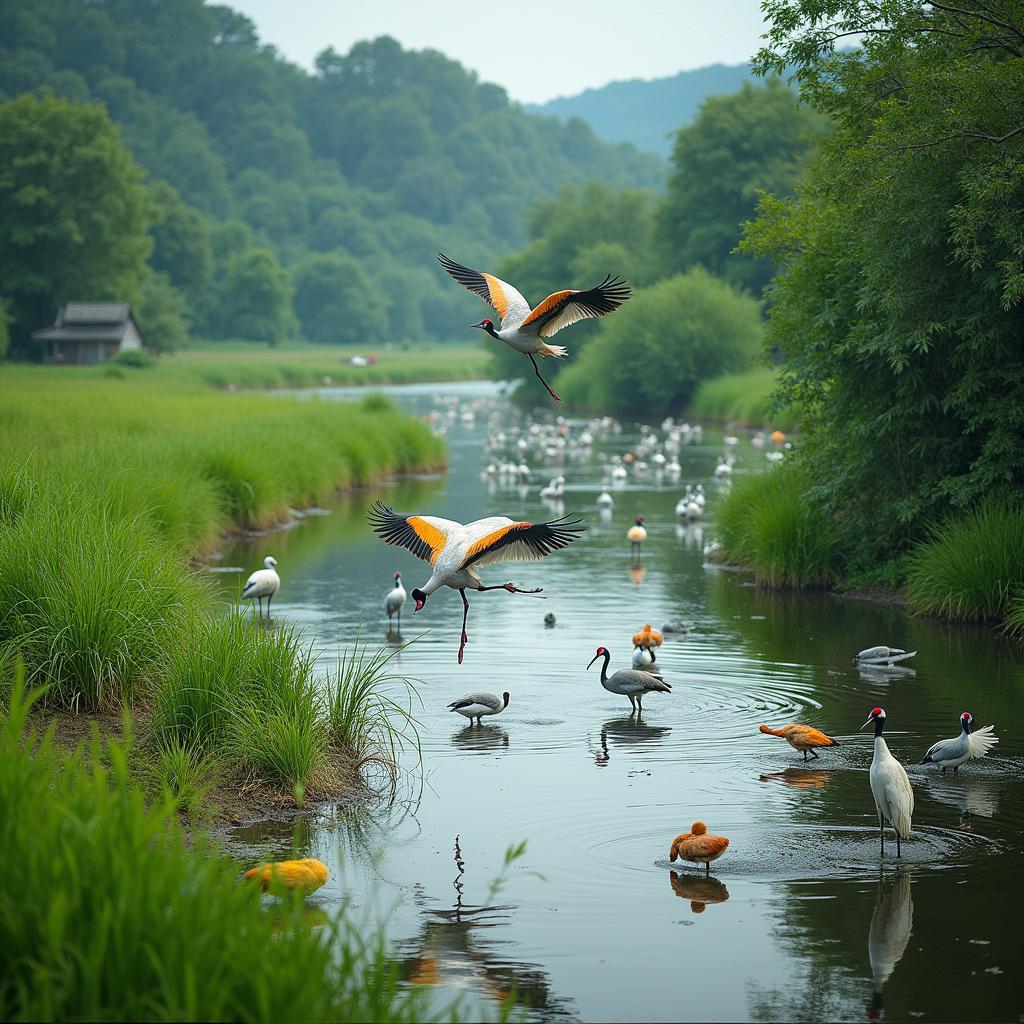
(867, 723)
(477, 325)
(593, 659)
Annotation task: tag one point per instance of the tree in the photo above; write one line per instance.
(741, 143)
(256, 298)
(651, 354)
(181, 244)
(160, 311)
(74, 212)
(898, 308)
(335, 302)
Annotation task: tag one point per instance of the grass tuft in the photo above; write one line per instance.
(971, 567)
(767, 524)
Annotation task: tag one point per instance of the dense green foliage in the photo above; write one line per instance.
(74, 212)
(648, 111)
(93, 527)
(107, 915)
(765, 523)
(741, 144)
(971, 566)
(382, 155)
(654, 352)
(899, 308)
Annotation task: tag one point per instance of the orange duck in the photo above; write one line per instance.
(647, 637)
(697, 846)
(305, 876)
(801, 737)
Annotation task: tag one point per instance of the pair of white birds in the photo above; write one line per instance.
(890, 786)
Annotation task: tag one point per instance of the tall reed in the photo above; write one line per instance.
(105, 915)
(971, 567)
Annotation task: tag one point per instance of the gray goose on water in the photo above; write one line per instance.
(476, 705)
(629, 682)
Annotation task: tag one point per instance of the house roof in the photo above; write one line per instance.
(88, 321)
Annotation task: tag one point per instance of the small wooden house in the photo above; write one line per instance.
(89, 332)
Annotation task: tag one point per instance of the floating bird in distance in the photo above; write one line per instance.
(476, 705)
(456, 552)
(801, 737)
(698, 846)
(630, 683)
(263, 583)
(894, 796)
(527, 330)
(305, 876)
(952, 753)
(883, 655)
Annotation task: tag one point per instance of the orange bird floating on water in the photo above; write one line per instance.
(527, 330)
(647, 637)
(306, 875)
(801, 737)
(698, 846)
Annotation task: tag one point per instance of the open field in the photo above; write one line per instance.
(236, 364)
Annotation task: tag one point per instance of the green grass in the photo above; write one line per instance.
(245, 365)
(106, 915)
(767, 524)
(742, 398)
(971, 567)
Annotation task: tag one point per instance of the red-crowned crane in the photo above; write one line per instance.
(527, 330)
(894, 797)
(456, 552)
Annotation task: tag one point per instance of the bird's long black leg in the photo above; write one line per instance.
(814, 754)
(512, 589)
(898, 854)
(639, 703)
(259, 601)
(805, 755)
(881, 829)
(270, 598)
(465, 615)
(707, 869)
(536, 370)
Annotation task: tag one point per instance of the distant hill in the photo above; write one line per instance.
(645, 112)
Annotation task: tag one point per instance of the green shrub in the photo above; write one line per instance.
(136, 358)
(105, 915)
(768, 524)
(971, 567)
(741, 398)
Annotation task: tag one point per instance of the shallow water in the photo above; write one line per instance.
(800, 920)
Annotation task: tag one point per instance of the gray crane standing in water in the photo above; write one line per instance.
(629, 682)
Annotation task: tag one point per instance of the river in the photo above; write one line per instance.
(800, 919)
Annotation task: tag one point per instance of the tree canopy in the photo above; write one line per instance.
(899, 306)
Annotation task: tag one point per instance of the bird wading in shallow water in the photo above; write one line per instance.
(456, 552)
(894, 797)
(476, 705)
(527, 330)
(394, 599)
(630, 683)
(263, 583)
(801, 737)
(953, 753)
(306, 875)
(698, 846)
(636, 535)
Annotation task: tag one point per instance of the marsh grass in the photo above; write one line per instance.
(743, 398)
(971, 567)
(185, 772)
(370, 710)
(104, 913)
(767, 524)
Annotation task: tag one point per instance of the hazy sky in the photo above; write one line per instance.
(536, 49)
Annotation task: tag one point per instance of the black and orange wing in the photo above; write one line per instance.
(424, 536)
(564, 308)
(522, 542)
(499, 295)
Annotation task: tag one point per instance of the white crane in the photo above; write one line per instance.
(628, 682)
(263, 583)
(456, 551)
(393, 601)
(605, 500)
(476, 705)
(882, 655)
(527, 330)
(894, 797)
(953, 753)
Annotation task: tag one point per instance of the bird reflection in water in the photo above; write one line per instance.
(481, 738)
(700, 890)
(453, 949)
(891, 926)
(800, 778)
(638, 572)
(623, 732)
(884, 673)
(605, 515)
(970, 795)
